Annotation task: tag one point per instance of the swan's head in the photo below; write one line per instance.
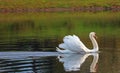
(93, 34)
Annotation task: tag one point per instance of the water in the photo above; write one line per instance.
(105, 62)
(27, 65)
(42, 32)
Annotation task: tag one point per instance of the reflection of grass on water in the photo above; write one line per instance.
(59, 24)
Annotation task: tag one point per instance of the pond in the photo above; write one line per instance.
(53, 62)
(44, 31)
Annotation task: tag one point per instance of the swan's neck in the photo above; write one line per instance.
(94, 42)
(94, 63)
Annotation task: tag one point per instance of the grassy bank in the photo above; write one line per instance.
(55, 3)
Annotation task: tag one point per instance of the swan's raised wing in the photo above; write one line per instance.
(72, 43)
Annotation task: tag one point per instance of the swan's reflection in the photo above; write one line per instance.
(73, 62)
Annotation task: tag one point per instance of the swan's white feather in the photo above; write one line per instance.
(62, 45)
(79, 42)
(72, 43)
(63, 51)
(69, 41)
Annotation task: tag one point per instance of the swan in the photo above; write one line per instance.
(72, 44)
(73, 62)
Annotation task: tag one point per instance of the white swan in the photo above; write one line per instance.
(72, 44)
(73, 62)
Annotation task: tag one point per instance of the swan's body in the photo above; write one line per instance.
(72, 44)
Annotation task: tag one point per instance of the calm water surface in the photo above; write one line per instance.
(44, 31)
(104, 62)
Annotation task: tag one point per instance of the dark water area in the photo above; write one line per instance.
(50, 44)
(38, 65)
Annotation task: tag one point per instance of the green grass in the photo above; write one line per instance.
(59, 24)
(55, 3)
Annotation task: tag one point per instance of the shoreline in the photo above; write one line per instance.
(61, 9)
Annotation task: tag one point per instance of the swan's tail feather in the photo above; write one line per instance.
(58, 50)
(63, 51)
